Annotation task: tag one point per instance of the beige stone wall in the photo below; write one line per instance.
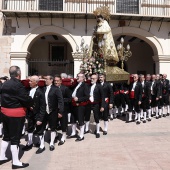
(5, 49)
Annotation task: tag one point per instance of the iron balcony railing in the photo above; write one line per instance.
(160, 8)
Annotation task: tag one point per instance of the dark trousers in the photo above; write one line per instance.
(145, 105)
(160, 103)
(51, 119)
(0, 117)
(12, 127)
(78, 114)
(133, 103)
(96, 111)
(32, 126)
(165, 99)
(64, 121)
(154, 102)
(88, 112)
(105, 113)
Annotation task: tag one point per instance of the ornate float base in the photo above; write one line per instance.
(116, 74)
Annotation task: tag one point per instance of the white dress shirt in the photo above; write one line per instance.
(32, 91)
(133, 88)
(46, 98)
(75, 90)
(91, 92)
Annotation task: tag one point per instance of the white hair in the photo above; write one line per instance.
(63, 75)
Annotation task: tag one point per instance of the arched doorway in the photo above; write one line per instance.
(148, 41)
(50, 54)
(141, 61)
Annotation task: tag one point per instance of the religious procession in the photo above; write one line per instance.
(99, 93)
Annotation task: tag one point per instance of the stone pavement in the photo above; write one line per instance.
(126, 147)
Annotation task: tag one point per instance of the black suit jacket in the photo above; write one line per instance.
(156, 88)
(55, 100)
(82, 93)
(39, 106)
(66, 92)
(138, 91)
(98, 95)
(146, 90)
(14, 95)
(108, 91)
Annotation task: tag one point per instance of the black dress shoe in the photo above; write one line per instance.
(27, 147)
(137, 122)
(97, 135)
(168, 114)
(79, 139)
(24, 165)
(72, 136)
(149, 119)
(3, 161)
(61, 143)
(164, 115)
(160, 116)
(87, 132)
(51, 148)
(111, 118)
(0, 136)
(157, 117)
(144, 121)
(104, 133)
(40, 150)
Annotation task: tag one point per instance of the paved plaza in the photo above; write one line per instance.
(126, 147)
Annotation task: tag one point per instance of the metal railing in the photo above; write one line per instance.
(44, 67)
(142, 7)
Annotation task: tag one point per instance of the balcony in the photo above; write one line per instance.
(120, 9)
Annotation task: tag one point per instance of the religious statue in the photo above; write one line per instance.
(102, 56)
(102, 39)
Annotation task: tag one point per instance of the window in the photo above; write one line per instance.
(127, 6)
(51, 5)
(57, 52)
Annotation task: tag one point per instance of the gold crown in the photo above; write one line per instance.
(103, 11)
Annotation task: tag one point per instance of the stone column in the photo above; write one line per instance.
(77, 57)
(20, 59)
(162, 64)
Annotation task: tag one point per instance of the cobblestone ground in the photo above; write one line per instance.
(126, 147)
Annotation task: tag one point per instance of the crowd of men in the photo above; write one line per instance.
(60, 100)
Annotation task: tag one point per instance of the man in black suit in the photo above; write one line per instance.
(96, 101)
(80, 97)
(35, 115)
(66, 92)
(108, 96)
(155, 94)
(165, 91)
(146, 97)
(135, 98)
(54, 107)
(14, 102)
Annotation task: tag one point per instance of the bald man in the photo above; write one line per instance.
(135, 96)
(35, 115)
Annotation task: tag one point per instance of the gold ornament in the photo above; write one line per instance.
(104, 11)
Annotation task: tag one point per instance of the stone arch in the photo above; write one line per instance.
(46, 30)
(144, 35)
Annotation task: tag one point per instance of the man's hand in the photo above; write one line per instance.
(149, 101)
(157, 98)
(160, 97)
(75, 99)
(39, 123)
(139, 103)
(31, 108)
(110, 106)
(59, 115)
(101, 109)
